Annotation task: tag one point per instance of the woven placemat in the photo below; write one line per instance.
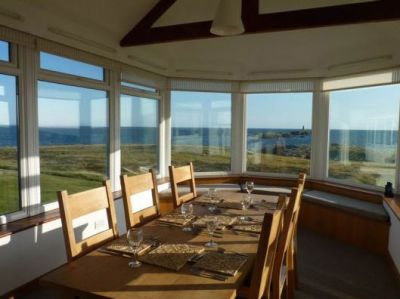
(175, 218)
(222, 220)
(171, 256)
(225, 263)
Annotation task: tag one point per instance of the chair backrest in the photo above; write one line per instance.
(136, 185)
(178, 175)
(73, 206)
(290, 218)
(301, 180)
(262, 271)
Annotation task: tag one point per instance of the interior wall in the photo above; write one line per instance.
(28, 254)
(394, 237)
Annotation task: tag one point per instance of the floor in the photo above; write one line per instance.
(329, 269)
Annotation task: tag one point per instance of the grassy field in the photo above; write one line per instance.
(79, 167)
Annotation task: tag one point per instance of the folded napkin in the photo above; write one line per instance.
(172, 256)
(222, 220)
(225, 263)
(175, 218)
(122, 246)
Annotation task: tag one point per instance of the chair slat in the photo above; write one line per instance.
(180, 175)
(83, 203)
(87, 202)
(134, 185)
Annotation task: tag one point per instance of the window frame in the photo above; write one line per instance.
(134, 92)
(75, 81)
(274, 174)
(397, 153)
(12, 68)
(232, 111)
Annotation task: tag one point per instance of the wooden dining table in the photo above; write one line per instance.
(102, 275)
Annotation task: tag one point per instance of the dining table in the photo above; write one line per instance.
(101, 274)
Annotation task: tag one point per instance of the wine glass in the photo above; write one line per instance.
(212, 224)
(245, 202)
(135, 238)
(187, 212)
(212, 194)
(249, 187)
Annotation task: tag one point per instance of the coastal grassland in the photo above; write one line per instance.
(204, 158)
(79, 167)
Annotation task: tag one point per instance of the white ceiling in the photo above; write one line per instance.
(291, 54)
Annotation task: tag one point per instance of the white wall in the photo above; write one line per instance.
(394, 237)
(31, 253)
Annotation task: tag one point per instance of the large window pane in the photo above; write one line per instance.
(279, 132)
(69, 66)
(73, 137)
(363, 125)
(4, 51)
(9, 194)
(201, 130)
(139, 134)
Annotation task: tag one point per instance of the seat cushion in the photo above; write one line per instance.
(345, 203)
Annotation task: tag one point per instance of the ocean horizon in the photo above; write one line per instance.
(201, 136)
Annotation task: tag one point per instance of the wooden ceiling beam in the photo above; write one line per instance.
(375, 11)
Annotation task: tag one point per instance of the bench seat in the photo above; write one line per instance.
(363, 208)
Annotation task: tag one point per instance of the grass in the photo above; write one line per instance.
(80, 167)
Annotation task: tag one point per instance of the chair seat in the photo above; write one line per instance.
(348, 204)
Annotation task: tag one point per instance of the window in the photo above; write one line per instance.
(9, 178)
(279, 132)
(4, 51)
(137, 86)
(139, 134)
(201, 130)
(363, 125)
(73, 138)
(71, 67)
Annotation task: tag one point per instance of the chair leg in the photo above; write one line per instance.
(290, 278)
(295, 264)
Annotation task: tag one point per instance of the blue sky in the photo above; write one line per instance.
(362, 108)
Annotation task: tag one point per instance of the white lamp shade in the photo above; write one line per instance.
(228, 19)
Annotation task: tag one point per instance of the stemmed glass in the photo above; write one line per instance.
(212, 224)
(245, 202)
(187, 211)
(135, 238)
(249, 187)
(212, 194)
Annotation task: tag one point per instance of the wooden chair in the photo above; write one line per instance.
(79, 204)
(282, 286)
(292, 269)
(179, 175)
(134, 185)
(260, 281)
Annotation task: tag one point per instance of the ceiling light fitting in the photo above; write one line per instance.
(228, 19)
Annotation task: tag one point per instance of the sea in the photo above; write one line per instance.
(201, 136)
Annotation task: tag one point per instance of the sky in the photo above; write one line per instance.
(60, 105)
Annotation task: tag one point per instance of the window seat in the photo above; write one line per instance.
(348, 204)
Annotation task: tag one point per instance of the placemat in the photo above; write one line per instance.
(225, 263)
(171, 256)
(253, 228)
(205, 200)
(222, 220)
(230, 205)
(122, 246)
(176, 218)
